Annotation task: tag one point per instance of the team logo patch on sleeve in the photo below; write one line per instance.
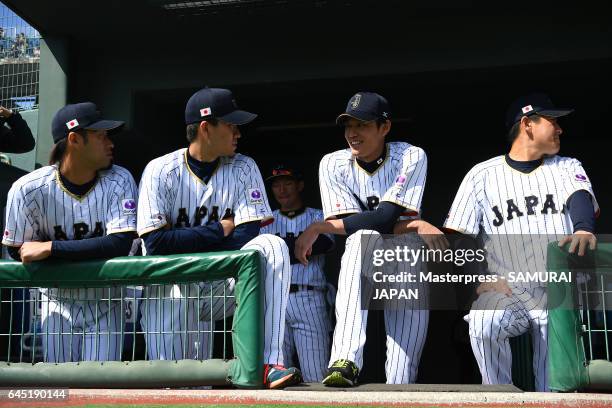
(581, 177)
(128, 206)
(255, 196)
(400, 180)
(7, 233)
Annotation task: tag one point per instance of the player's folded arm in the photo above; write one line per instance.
(188, 240)
(241, 235)
(381, 220)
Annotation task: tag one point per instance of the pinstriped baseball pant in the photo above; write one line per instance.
(495, 318)
(277, 277)
(406, 328)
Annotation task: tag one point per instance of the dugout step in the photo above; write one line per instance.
(409, 388)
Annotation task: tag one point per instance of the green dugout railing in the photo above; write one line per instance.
(580, 320)
(244, 370)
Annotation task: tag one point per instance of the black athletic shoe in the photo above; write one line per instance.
(343, 373)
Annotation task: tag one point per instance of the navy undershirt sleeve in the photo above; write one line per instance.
(183, 240)
(241, 235)
(382, 219)
(582, 211)
(106, 247)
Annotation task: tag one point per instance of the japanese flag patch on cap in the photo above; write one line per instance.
(72, 124)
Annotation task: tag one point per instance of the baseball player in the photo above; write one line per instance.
(79, 207)
(365, 190)
(307, 320)
(208, 198)
(530, 192)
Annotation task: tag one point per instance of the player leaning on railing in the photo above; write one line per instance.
(79, 207)
(203, 198)
(528, 197)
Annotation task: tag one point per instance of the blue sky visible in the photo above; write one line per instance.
(13, 23)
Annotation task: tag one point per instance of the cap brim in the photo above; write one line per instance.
(293, 176)
(555, 113)
(238, 117)
(364, 117)
(105, 125)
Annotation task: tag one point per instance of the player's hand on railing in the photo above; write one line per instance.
(304, 242)
(228, 226)
(433, 237)
(34, 251)
(501, 286)
(580, 240)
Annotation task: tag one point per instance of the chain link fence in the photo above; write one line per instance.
(19, 62)
(105, 324)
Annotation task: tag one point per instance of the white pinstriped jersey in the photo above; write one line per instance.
(40, 208)
(171, 194)
(292, 227)
(495, 199)
(347, 188)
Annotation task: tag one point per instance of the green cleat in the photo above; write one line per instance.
(343, 373)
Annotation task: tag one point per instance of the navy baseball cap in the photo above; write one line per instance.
(282, 170)
(534, 104)
(215, 103)
(77, 116)
(365, 106)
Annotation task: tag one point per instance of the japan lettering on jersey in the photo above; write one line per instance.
(289, 228)
(347, 188)
(495, 199)
(40, 208)
(170, 194)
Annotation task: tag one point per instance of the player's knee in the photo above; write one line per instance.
(364, 233)
(365, 240)
(269, 244)
(273, 239)
(487, 324)
(364, 236)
